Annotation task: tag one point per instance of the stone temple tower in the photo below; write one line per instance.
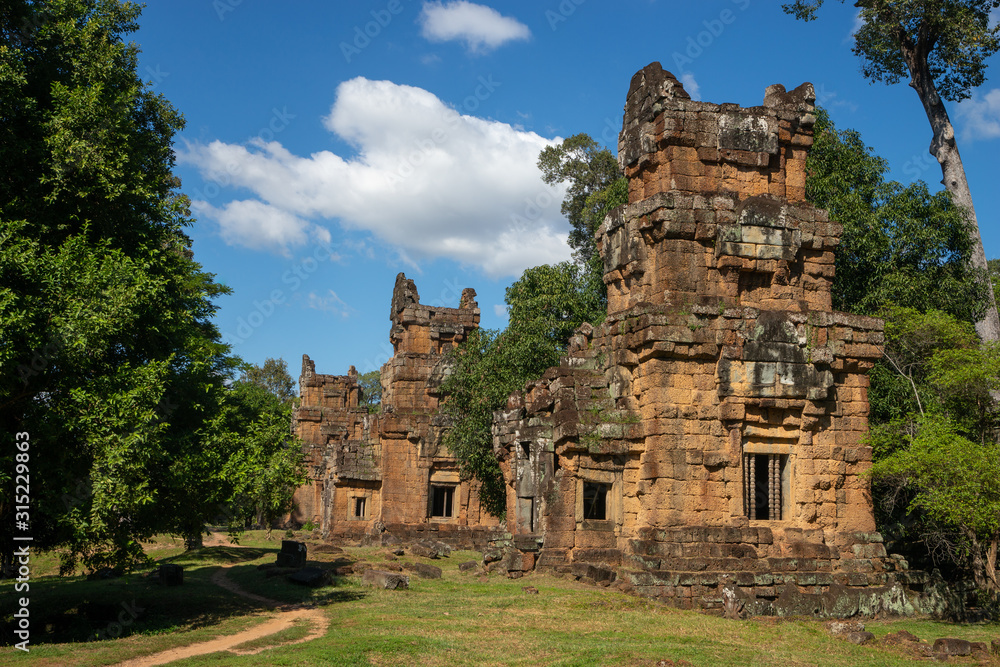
(705, 441)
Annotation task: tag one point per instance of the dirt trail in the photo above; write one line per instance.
(285, 616)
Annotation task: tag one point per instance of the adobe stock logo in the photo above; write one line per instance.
(697, 44)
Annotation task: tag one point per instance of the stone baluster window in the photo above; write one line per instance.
(763, 482)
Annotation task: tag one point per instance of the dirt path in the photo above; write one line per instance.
(284, 617)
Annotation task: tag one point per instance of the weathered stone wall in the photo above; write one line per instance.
(342, 449)
(369, 472)
(707, 435)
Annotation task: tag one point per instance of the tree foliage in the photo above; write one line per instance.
(265, 463)
(108, 355)
(936, 446)
(942, 46)
(487, 367)
(950, 486)
(371, 390)
(589, 171)
(953, 38)
(901, 244)
(273, 377)
(546, 305)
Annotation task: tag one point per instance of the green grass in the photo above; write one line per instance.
(461, 619)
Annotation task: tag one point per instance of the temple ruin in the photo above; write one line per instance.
(389, 471)
(705, 440)
(703, 445)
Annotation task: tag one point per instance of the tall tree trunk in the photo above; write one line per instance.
(976, 562)
(945, 149)
(991, 564)
(193, 540)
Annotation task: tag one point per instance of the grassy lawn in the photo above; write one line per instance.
(461, 619)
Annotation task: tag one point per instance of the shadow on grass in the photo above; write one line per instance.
(234, 554)
(72, 609)
(272, 584)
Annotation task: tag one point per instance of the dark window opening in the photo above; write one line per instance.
(526, 449)
(752, 281)
(359, 507)
(442, 498)
(595, 501)
(763, 476)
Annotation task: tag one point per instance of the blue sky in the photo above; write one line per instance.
(331, 145)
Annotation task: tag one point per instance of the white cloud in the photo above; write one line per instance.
(857, 25)
(691, 86)
(259, 226)
(330, 303)
(481, 28)
(425, 178)
(500, 309)
(981, 116)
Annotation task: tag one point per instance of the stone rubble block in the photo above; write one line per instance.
(385, 580)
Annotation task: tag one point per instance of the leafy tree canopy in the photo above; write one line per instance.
(273, 376)
(953, 36)
(546, 305)
(950, 486)
(942, 46)
(933, 440)
(108, 355)
(589, 171)
(265, 463)
(901, 244)
(371, 390)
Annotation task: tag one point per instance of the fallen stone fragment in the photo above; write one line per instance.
(492, 555)
(428, 571)
(292, 554)
(858, 638)
(423, 551)
(838, 628)
(952, 646)
(901, 637)
(468, 565)
(387, 580)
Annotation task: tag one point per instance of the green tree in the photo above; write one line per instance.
(589, 170)
(273, 376)
(371, 390)
(264, 463)
(552, 300)
(546, 305)
(941, 46)
(936, 462)
(108, 355)
(900, 244)
(486, 368)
